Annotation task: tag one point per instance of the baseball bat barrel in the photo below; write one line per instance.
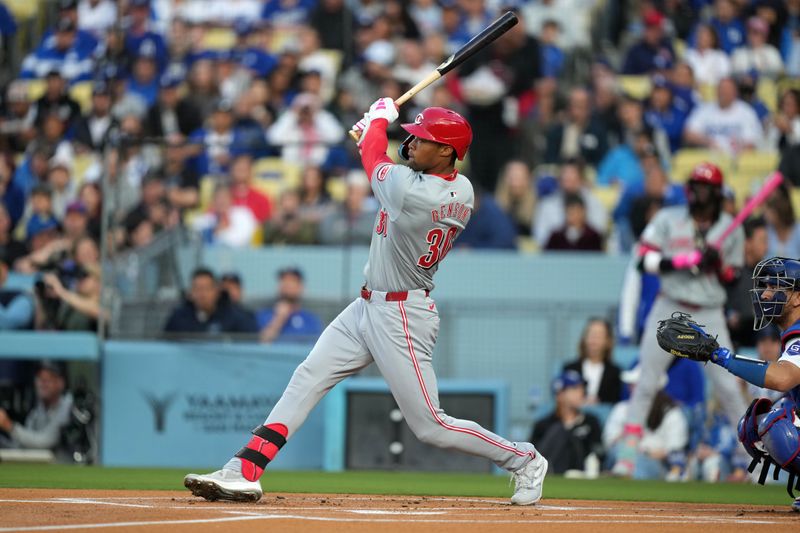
(760, 197)
(476, 44)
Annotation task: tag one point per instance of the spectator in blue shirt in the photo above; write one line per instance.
(8, 26)
(654, 51)
(84, 41)
(489, 226)
(662, 114)
(59, 51)
(139, 30)
(16, 307)
(144, 79)
(287, 12)
(552, 56)
(728, 25)
(287, 321)
(253, 58)
(213, 144)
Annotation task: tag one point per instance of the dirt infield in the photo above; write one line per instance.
(177, 512)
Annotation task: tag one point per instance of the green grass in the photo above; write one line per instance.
(74, 477)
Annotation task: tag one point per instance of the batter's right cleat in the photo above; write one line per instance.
(528, 481)
(223, 485)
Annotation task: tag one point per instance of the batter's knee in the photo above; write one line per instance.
(429, 432)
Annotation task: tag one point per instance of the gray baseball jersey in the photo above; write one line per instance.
(396, 324)
(672, 231)
(420, 217)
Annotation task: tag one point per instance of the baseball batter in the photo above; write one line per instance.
(767, 431)
(692, 274)
(394, 322)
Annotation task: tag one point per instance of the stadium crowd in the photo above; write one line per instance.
(229, 118)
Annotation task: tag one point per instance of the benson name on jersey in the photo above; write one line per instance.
(455, 210)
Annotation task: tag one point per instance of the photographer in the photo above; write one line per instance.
(16, 307)
(64, 309)
(287, 320)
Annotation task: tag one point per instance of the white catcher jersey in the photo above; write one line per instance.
(672, 230)
(420, 217)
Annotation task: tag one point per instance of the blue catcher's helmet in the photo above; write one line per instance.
(778, 275)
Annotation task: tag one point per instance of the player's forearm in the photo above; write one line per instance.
(374, 146)
(751, 370)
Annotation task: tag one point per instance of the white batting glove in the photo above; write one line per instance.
(360, 128)
(384, 108)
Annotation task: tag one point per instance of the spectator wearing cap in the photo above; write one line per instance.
(144, 78)
(209, 310)
(709, 63)
(654, 51)
(662, 113)
(91, 129)
(551, 214)
(727, 24)
(171, 114)
(665, 433)
(16, 307)
(44, 423)
(757, 54)
(305, 132)
(728, 125)
(10, 248)
(16, 117)
(351, 221)
(245, 194)
(225, 223)
(97, 16)
(85, 41)
(140, 29)
(59, 51)
(33, 170)
(250, 57)
(212, 145)
(39, 215)
(55, 100)
(568, 435)
(287, 320)
(579, 134)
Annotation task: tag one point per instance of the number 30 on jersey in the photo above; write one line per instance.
(440, 243)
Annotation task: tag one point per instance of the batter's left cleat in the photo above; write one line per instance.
(528, 481)
(796, 505)
(223, 485)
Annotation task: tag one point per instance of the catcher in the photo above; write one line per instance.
(768, 431)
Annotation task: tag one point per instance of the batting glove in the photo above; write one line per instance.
(360, 128)
(384, 108)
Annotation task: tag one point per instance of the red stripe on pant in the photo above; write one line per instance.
(250, 470)
(430, 404)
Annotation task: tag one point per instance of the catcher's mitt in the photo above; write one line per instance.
(683, 337)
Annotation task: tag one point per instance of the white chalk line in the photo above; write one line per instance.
(81, 501)
(351, 519)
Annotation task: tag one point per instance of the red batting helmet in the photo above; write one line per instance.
(442, 126)
(706, 173)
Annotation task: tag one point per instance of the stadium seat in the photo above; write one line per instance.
(608, 195)
(23, 9)
(82, 93)
(795, 192)
(35, 89)
(636, 86)
(767, 91)
(219, 39)
(275, 168)
(708, 92)
(337, 188)
(685, 159)
(80, 165)
(757, 163)
(742, 186)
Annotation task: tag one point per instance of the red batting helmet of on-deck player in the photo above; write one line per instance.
(706, 173)
(442, 126)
